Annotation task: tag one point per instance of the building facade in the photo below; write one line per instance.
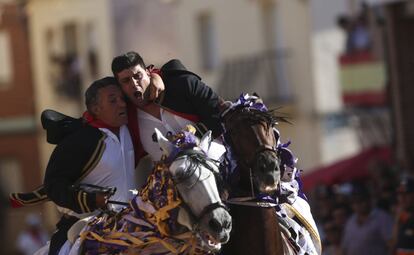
(19, 150)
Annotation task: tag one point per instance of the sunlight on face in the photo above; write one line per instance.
(134, 81)
(111, 107)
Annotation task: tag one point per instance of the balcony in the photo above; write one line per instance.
(263, 73)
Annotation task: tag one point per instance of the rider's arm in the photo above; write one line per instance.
(206, 104)
(186, 93)
(70, 160)
(155, 87)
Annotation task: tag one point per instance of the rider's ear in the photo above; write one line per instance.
(149, 69)
(94, 110)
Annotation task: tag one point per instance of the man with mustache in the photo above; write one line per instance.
(100, 152)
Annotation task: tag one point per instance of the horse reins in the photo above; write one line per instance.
(248, 201)
(198, 156)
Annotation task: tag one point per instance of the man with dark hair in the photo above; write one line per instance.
(99, 153)
(403, 236)
(369, 229)
(169, 99)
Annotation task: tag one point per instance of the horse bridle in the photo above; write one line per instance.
(248, 164)
(262, 147)
(201, 158)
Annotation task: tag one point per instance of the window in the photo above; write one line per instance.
(6, 69)
(92, 45)
(208, 42)
(64, 61)
(10, 175)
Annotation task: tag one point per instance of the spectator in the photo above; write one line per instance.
(332, 244)
(404, 230)
(33, 237)
(368, 231)
(3, 208)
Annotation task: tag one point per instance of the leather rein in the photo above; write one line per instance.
(200, 158)
(250, 200)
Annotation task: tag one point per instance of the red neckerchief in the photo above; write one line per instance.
(98, 123)
(187, 116)
(152, 69)
(134, 132)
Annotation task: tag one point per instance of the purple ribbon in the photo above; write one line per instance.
(188, 141)
(250, 101)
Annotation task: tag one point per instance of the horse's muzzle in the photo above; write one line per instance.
(266, 172)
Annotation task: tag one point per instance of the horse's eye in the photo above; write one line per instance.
(154, 138)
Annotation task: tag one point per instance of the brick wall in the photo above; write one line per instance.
(17, 97)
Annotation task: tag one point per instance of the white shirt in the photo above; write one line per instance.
(169, 122)
(116, 168)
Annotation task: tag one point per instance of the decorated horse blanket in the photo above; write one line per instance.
(148, 226)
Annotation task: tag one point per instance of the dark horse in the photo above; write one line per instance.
(252, 140)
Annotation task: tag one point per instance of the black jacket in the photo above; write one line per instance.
(186, 93)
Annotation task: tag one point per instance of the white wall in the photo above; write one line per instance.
(237, 27)
(147, 27)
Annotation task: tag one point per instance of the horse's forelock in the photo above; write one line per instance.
(249, 116)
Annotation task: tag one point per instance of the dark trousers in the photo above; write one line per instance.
(60, 236)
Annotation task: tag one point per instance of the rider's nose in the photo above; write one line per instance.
(135, 81)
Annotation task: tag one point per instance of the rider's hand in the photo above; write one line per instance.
(101, 200)
(155, 87)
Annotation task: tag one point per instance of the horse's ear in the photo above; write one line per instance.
(224, 106)
(259, 99)
(205, 141)
(163, 142)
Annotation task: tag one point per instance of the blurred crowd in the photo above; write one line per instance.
(373, 215)
(356, 28)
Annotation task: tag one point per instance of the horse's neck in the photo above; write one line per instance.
(243, 185)
(255, 231)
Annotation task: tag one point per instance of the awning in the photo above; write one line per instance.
(356, 167)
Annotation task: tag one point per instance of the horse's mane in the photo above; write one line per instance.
(195, 159)
(252, 116)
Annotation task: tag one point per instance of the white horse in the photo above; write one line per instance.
(181, 189)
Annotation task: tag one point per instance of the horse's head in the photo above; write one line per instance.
(193, 175)
(249, 129)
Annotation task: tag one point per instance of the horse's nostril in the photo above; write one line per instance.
(215, 225)
(224, 239)
(227, 224)
(268, 166)
(269, 180)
